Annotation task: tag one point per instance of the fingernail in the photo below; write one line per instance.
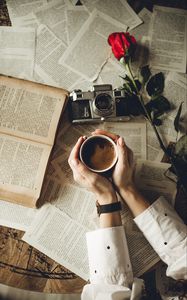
(84, 137)
(121, 141)
(75, 162)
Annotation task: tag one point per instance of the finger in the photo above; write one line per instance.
(113, 136)
(82, 170)
(130, 156)
(74, 155)
(76, 176)
(122, 152)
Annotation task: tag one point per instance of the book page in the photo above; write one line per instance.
(151, 178)
(29, 110)
(89, 50)
(167, 133)
(119, 10)
(75, 16)
(134, 135)
(54, 17)
(47, 69)
(176, 92)
(17, 51)
(168, 39)
(19, 10)
(16, 216)
(143, 29)
(111, 73)
(22, 169)
(66, 197)
(61, 238)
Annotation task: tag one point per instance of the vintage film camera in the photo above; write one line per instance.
(100, 104)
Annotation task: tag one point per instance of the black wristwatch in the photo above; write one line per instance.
(108, 208)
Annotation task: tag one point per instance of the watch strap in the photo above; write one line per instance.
(108, 208)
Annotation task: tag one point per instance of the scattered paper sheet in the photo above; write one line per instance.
(19, 10)
(47, 68)
(61, 238)
(75, 16)
(111, 73)
(168, 39)
(17, 51)
(144, 28)
(16, 216)
(152, 181)
(119, 10)
(134, 135)
(89, 50)
(176, 91)
(167, 133)
(54, 17)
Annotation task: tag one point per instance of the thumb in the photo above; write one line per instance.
(122, 151)
(81, 168)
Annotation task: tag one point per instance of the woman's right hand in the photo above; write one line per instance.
(123, 174)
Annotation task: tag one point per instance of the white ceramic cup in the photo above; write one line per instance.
(98, 150)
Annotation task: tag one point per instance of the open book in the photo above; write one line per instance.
(29, 116)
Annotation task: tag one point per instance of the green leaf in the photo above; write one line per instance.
(145, 73)
(129, 82)
(138, 84)
(126, 78)
(127, 88)
(157, 122)
(181, 147)
(177, 118)
(159, 105)
(135, 107)
(155, 85)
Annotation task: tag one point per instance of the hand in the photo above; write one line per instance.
(95, 183)
(123, 174)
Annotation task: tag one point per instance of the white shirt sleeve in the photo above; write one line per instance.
(167, 234)
(108, 256)
(110, 267)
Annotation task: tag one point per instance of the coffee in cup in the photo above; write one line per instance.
(98, 153)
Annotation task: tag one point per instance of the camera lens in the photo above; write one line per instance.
(103, 104)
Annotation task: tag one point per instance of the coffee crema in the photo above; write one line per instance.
(98, 154)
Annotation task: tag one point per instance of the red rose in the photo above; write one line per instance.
(123, 44)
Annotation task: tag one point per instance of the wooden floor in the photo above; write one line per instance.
(8, 293)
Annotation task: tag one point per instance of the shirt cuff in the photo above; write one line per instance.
(108, 256)
(165, 231)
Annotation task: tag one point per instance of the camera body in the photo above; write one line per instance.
(100, 104)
